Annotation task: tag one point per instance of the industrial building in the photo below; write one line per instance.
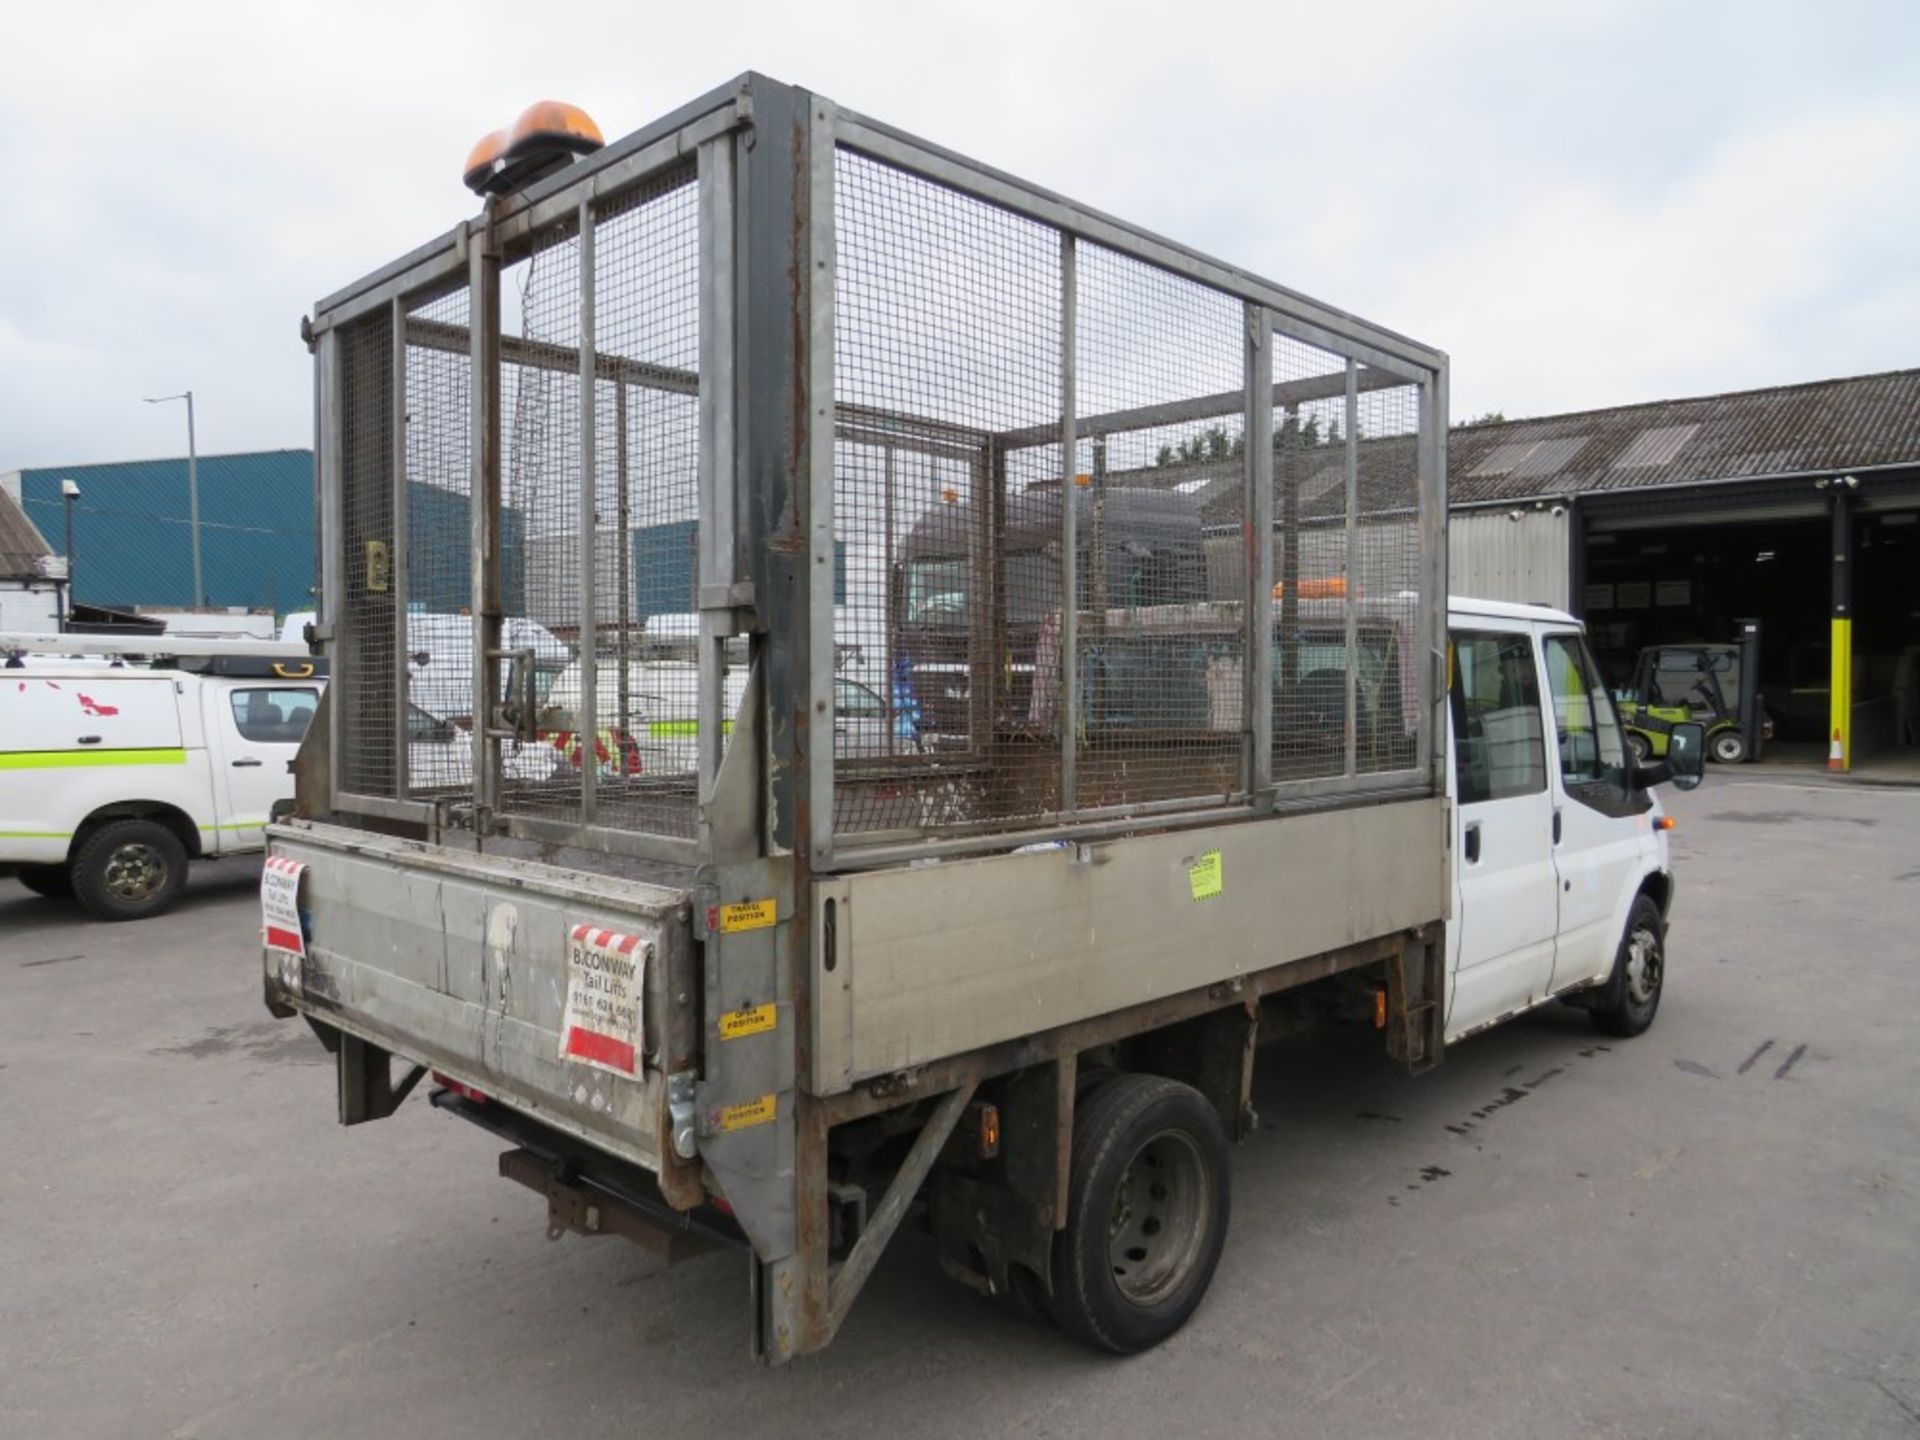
(1797, 506)
(133, 537)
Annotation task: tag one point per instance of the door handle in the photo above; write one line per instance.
(1556, 825)
(1472, 844)
(246, 764)
(89, 739)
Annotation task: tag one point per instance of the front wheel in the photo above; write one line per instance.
(1146, 1213)
(129, 869)
(1729, 747)
(1641, 746)
(1628, 1001)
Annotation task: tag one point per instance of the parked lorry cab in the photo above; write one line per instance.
(118, 769)
(827, 978)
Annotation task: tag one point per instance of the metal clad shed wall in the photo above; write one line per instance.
(132, 538)
(1492, 555)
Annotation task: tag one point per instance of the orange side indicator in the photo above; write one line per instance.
(1379, 1009)
(1664, 822)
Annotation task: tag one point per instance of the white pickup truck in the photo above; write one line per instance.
(113, 777)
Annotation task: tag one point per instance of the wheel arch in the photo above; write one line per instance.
(1658, 887)
(172, 816)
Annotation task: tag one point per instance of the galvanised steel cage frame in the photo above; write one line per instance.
(763, 160)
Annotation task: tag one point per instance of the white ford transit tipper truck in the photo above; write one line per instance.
(1000, 964)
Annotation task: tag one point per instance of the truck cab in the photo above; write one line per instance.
(1562, 878)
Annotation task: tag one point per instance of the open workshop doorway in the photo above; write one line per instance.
(1687, 576)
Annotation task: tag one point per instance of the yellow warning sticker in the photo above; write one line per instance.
(747, 915)
(752, 1112)
(1205, 878)
(737, 1023)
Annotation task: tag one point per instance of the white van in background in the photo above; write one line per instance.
(440, 657)
(114, 776)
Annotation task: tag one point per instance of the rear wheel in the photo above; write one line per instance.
(52, 881)
(1629, 1000)
(1146, 1213)
(1727, 746)
(129, 869)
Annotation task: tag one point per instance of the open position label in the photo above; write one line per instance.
(1205, 877)
(280, 926)
(747, 915)
(738, 1023)
(751, 1112)
(606, 975)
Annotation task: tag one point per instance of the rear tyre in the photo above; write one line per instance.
(129, 869)
(1627, 1003)
(1729, 747)
(53, 881)
(1641, 746)
(1147, 1213)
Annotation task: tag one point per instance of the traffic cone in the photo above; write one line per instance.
(1835, 760)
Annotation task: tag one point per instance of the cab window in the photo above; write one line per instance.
(1591, 748)
(275, 716)
(1499, 740)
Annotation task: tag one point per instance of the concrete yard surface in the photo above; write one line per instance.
(1712, 1230)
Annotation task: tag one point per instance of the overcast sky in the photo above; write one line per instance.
(1584, 205)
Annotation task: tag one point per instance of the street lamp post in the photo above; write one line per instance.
(193, 495)
(63, 602)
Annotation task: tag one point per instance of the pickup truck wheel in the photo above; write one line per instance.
(49, 880)
(1630, 998)
(1147, 1213)
(129, 869)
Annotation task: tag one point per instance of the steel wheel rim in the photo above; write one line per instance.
(1643, 966)
(135, 871)
(1157, 1231)
(1727, 748)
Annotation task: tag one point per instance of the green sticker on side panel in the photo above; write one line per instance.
(1205, 877)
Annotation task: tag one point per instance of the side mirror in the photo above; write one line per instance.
(1687, 754)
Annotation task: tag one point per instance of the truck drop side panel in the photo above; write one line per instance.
(933, 961)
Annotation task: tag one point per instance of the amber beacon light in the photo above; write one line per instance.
(546, 136)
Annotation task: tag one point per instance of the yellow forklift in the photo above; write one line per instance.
(1717, 685)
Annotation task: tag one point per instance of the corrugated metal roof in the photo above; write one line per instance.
(21, 544)
(1825, 426)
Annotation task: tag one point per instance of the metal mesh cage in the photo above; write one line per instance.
(1161, 380)
(437, 571)
(364, 612)
(540, 502)
(647, 462)
(947, 332)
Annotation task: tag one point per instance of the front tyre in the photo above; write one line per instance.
(1728, 746)
(1641, 746)
(1629, 1000)
(1147, 1213)
(128, 870)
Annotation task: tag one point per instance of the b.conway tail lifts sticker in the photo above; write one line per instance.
(606, 977)
(280, 926)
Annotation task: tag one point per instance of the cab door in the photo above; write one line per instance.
(1505, 909)
(1603, 833)
(254, 732)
